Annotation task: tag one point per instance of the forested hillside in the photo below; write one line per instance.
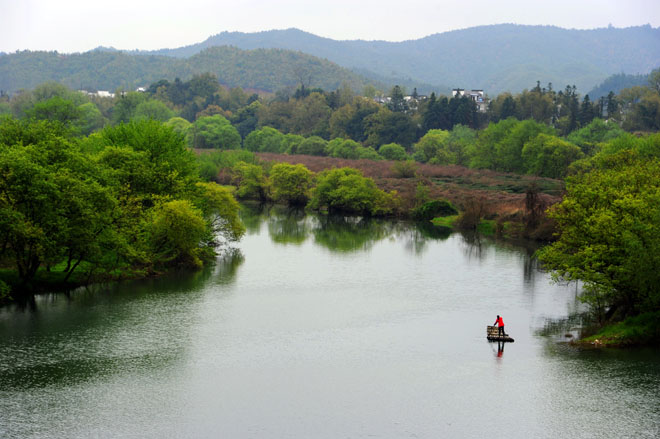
(495, 58)
(262, 69)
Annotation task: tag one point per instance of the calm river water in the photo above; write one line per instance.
(321, 328)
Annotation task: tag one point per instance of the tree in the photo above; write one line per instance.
(266, 139)
(250, 181)
(175, 231)
(214, 132)
(549, 156)
(347, 190)
(53, 205)
(312, 146)
(609, 236)
(397, 101)
(342, 148)
(153, 109)
(393, 151)
(160, 163)
(429, 145)
(291, 183)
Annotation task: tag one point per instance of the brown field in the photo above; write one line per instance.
(503, 194)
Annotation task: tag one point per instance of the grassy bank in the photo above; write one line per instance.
(641, 330)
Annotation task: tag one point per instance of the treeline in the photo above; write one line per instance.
(523, 133)
(609, 234)
(263, 69)
(125, 201)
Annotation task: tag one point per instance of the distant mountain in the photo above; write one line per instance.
(106, 69)
(616, 83)
(494, 58)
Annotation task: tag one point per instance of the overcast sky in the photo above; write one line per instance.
(80, 25)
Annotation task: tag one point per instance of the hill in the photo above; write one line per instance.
(262, 69)
(616, 83)
(495, 58)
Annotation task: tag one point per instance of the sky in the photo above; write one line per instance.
(80, 25)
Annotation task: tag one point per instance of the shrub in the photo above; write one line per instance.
(433, 209)
(393, 151)
(290, 183)
(404, 169)
(347, 190)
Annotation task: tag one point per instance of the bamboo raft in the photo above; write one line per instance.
(492, 334)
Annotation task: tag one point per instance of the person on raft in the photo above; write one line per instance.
(500, 326)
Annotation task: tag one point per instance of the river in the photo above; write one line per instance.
(321, 328)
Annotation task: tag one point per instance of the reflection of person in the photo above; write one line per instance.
(500, 348)
(500, 326)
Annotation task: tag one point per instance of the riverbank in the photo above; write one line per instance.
(641, 330)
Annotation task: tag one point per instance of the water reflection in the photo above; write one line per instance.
(96, 332)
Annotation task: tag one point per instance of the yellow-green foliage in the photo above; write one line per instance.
(347, 190)
(290, 183)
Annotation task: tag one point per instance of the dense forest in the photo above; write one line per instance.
(103, 187)
(260, 69)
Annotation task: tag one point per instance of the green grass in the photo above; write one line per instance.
(643, 329)
(485, 227)
(445, 221)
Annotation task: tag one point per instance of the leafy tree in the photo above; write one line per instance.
(597, 131)
(549, 156)
(90, 119)
(387, 126)
(175, 231)
(347, 190)
(179, 125)
(291, 183)
(52, 204)
(126, 105)
(219, 207)
(266, 139)
(429, 145)
(214, 132)
(153, 109)
(160, 163)
(55, 109)
(393, 151)
(250, 181)
(342, 148)
(312, 146)
(609, 236)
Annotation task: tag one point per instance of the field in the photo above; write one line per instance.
(502, 194)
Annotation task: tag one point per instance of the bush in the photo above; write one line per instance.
(312, 146)
(347, 190)
(290, 183)
(393, 151)
(433, 209)
(406, 169)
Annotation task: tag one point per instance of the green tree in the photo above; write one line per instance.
(250, 181)
(291, 183)
(342, 148)
(609, 235)
(175, 231)
(428, 147)
(266, 139)
(214, 132)
(549, 156)
(393, 151)
(347, 190)
(153, 109)
(312, 146)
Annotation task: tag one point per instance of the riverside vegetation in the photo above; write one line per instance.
(96, 188)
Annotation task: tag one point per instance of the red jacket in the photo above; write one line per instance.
(499, 322)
